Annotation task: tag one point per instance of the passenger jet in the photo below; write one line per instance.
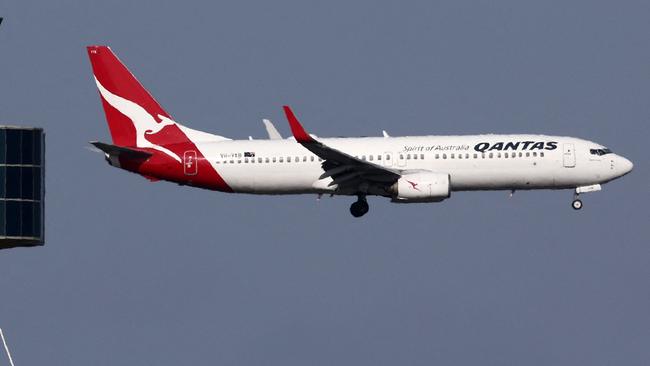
(149, 142)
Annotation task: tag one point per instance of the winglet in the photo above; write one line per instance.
(296, 128)
(271, 130)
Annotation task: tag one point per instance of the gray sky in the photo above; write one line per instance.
(139, 273)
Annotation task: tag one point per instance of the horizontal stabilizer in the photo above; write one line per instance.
(121, 151)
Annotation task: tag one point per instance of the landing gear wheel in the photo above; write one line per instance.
(359, 208)
(576, 204)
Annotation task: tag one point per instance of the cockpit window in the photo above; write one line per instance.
(600, 152)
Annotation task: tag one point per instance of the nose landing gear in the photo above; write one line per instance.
(360, 207)
(576, 204)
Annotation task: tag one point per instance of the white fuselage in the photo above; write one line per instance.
(473, 162)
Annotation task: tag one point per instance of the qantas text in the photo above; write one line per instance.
(519, 145)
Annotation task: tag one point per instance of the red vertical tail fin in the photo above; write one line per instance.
(127, 104)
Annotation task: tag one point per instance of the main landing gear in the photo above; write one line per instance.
(360, 207)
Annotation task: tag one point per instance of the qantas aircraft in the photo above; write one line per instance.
(147, 141)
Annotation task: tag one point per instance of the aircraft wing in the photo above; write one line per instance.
(344, 169)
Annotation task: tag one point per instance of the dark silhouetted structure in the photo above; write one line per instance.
(22, 190)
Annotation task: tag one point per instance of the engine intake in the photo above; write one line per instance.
(421, 187)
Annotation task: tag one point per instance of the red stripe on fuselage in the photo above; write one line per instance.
(164, 167)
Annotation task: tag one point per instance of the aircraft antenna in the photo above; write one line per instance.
(4, 342)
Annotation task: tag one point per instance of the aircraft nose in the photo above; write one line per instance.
(626, 165)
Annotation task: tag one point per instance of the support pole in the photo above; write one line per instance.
(4, 342)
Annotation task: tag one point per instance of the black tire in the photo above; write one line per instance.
(359, 208)
(576, 204)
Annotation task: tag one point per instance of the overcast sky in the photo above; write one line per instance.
(140, 273)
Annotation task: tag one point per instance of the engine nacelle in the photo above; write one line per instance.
(422, 187)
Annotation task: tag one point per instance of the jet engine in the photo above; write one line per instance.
(421, 187)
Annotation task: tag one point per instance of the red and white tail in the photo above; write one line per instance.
(126, 102)
(134, 117)
(144, 134)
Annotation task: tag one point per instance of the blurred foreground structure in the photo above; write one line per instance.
(22, 192)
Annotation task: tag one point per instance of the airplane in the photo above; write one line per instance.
(414, 169)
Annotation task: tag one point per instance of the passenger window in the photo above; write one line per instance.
(444, 156)
(304, 159)
(541, 154)
(370, 157)
(387, 157)
(498, 155)
(415, 156)
(527, 154)
(422, 156)
(232, 162)
(408, 156)
(259, 160)
(288, 159)
(475, 156)
(363, 157)
(274, 159)
(239, 161)
(378, 157)
(505, 155)
(319, 159)
(437, 156)
(401, 157)
(452, 156)
(535, 154)
(491, 155)
(312, 158)
(521, 154)
(246, 160)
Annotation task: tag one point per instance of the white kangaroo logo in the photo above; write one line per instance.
(143, 122)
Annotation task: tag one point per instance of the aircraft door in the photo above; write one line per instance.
(190, 164)
(569, 156)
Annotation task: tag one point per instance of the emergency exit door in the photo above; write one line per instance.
(569, 156)
(190, 165)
